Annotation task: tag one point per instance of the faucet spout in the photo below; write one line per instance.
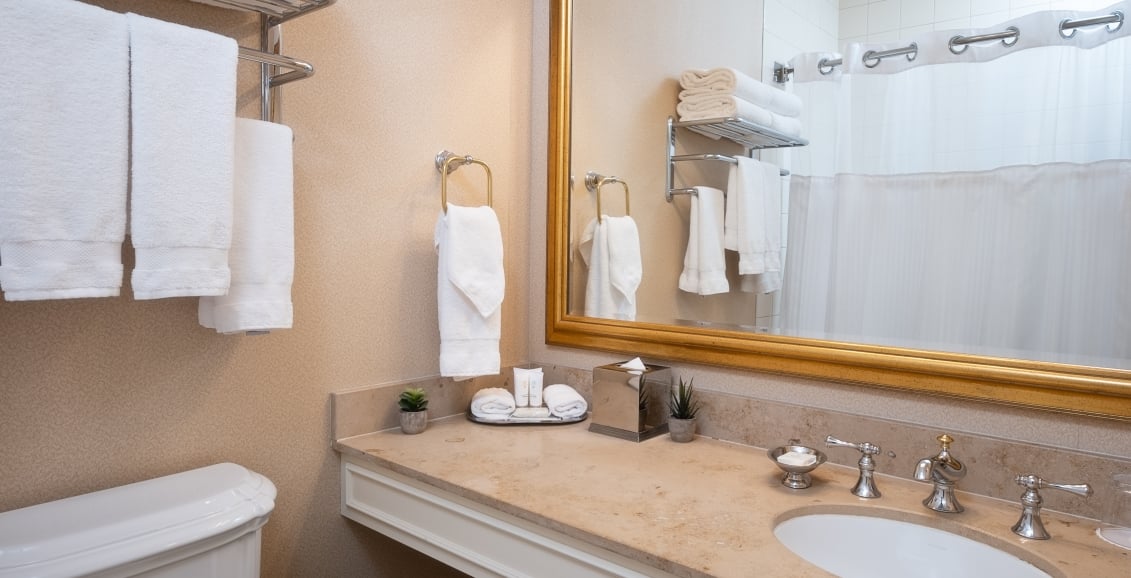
(944, 471)
(923, 469)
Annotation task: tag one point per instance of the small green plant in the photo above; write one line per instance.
(413, 399)
(682, 403)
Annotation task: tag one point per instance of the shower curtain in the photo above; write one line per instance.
(976, 202)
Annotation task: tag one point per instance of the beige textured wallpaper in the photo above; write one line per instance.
(96, 393)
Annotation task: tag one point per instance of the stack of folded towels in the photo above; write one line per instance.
(497, 404)
(726, 92)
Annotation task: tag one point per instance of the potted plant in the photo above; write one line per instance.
(682, 406)
(414, 410)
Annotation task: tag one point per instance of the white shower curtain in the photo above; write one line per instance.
(978, 202)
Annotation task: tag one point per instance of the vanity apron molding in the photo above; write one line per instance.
(474, 539)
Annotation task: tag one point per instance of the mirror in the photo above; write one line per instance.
(1093, 390)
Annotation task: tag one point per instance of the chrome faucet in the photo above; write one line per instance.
(944, 471)
(1030, 525)
(865, 486)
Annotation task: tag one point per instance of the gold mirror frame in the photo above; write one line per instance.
(1065, 388)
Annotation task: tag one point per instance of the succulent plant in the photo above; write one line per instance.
(682, 404)
(413, 399)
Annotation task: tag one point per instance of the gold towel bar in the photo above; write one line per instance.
(594, 182)
(446, 162)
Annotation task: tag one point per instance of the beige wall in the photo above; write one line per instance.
(100, 392)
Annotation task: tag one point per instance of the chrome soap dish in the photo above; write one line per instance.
(796, 461)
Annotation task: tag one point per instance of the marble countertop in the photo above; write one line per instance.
(705, 508)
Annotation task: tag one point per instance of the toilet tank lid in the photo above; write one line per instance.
(115, 526)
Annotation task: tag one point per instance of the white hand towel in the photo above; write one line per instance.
(492, 402)
(711, 105)
(64, 130)
(262, 255)
(704, 262)
(736, 83)
(564, 401)
(610, 248)
(470, 288)
(183, 102)
(753, 222)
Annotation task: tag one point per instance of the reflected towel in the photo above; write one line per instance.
(736, 83)
(564, 401)
(262, 257)
(704, 262)
(492, 403)
(611, 250)
(64, 130)
(710, 105)
(753, 223)
(470, 289)
(183, 107)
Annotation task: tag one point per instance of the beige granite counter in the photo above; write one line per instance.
(701, 509)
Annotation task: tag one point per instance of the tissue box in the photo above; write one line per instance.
(616, 409)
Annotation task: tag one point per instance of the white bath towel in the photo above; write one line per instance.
(610, 248)
(724, 106)
(704, 262)
(262, 255)
(470, 288)
(183, 102)
(64, 129)
(492, 402)
(564, 401)
(753, 222)
(737, 83)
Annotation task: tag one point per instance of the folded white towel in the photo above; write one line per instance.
(610, 247)
(736, 83)
(470, 288)
(704, 262)
(64, 129)
(183, 103)
(564, 401)
(753, 223)
(262, 255)
(492, 402)
(720, 105)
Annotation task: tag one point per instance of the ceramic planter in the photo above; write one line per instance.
(682, 430)
(414, 422)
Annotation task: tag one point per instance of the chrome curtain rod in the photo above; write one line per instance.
(958, 44)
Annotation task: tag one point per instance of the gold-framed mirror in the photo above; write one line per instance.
(1087, 390)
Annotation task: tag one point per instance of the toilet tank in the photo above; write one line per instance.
(200, 523)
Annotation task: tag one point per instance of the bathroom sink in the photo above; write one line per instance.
(855, 545)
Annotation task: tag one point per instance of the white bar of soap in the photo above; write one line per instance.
(797, 459)
(531, 412)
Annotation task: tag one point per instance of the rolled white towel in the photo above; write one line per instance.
(731, 81)
(492, 403)
(723, 105)
(564, 401)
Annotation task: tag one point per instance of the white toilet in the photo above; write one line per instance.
(200, 523)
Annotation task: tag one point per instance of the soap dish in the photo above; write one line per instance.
(797, 475)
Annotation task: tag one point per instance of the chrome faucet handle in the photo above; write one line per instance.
(1030, 524)
(865, 485)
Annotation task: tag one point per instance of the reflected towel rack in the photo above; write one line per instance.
(446, 162)
(272, 13)
(594, 182)
(749, 135)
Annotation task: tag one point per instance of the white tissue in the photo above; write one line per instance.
(634, 363)
(797, 459)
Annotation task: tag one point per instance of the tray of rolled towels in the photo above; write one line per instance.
(530, 403)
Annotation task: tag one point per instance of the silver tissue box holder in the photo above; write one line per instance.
(617, 397)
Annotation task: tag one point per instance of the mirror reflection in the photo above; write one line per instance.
(966, 195)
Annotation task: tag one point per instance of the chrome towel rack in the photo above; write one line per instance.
(446, 162)
(594, 182)
(749, 135)
(269, 55)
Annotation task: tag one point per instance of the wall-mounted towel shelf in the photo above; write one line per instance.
(446, 162)
(269, 55)
(594, 182)
(751, 136)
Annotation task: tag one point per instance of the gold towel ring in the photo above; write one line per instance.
(446, 162)
(594, 182)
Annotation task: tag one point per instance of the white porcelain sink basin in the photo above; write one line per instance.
(866, 546)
